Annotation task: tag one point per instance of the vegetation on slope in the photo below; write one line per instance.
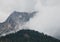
(28, 36)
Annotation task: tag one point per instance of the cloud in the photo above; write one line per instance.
(8, 6)
(47, 20)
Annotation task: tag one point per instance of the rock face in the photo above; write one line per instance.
(15, 21)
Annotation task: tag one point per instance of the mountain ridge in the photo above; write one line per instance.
(28, 36)
(15, 21)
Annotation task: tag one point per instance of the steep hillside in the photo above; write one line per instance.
(28, 36)
(15, 22)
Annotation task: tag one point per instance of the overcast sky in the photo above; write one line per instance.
(47, 19)
(7, 6)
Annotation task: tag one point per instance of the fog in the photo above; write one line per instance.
(47, 20)
(8, 6)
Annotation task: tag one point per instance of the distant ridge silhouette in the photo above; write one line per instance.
(28, 36)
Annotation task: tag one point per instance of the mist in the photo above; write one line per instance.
(47, 20)
(8, 6)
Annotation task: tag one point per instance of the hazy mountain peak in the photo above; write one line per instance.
(15, 22)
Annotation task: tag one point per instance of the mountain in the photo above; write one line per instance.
(15, 22)
(11, 29)
(28, 36)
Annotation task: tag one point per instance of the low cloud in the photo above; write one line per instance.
(47, 20)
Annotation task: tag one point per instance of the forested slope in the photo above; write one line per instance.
(28, 36)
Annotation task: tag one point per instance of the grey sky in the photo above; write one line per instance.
(7, 6)
(47, 20)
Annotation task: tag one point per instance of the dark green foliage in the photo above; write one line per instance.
(28, 36)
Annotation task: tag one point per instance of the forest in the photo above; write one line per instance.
(28, 36)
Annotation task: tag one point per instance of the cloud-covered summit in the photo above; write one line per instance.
(15, 22)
